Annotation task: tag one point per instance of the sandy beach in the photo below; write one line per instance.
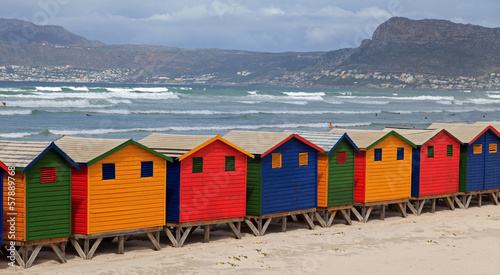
(446, 242)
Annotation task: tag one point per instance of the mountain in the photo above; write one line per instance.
(399, 45)
(429, 46)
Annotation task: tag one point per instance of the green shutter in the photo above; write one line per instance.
(430, 151)
(254, 186)
(197, 165)
(230, 163)
(449, 150)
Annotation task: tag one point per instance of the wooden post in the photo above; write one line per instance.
(94, 248)
(259, 225)
(419, 212)
(346, 217)
(154, 241)
(320, 219)
(433, 207)
(332, 217)
(382, 213)
(252, 227)
(206, 236)
(479, 200)
(283, 223)
(86, 247)
(33, 256)
(78, 248)
(235, 230)
(171, 237)
(121, 244)
(356, 213)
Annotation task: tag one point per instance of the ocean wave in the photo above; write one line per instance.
(317, 96)
(139, 89)
(95, 95)
(49, 89)
(79, 89)
(252, 112)
(15, 112)
(54, 104)
(201, 128)
(409, 98)
(17, 135)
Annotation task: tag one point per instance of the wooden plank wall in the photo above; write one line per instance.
(291, 187)
(359, 176)
(48, 205)
(492, 162)
(215, 193)
(254, 186)
(79, 200)
(20, 207)
(173, 191)
(322, 180)
(341, 176)
(389, 179)
(439, 175)
(128, 201)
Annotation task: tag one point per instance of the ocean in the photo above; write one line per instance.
(45, 111)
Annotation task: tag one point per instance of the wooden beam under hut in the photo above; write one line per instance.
(180, 231)
(88, 252)
(259, 223)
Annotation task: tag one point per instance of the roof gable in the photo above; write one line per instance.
(52, 146)
(314, 146)
(210, 141)
(420, 136)
(125, 144)
(465, 133)
(173, 145)
(390, 134)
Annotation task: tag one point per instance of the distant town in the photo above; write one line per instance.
(339, 78)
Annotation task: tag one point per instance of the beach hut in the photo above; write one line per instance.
(119, 190)
(382, 170)
(479, 159)
(435, 166)
(41, 214)
(206, 182)
(335, 174)
(3, 169)
(281, 179)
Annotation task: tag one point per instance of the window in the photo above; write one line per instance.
(48, 175)
(276, 160)
(378, 154)
(400, 154)
(303, 159)
(430, 151)
(341, 157)
(146, 169)
(230, 163)
(493, 148)
(478, 149)
(108, 171)
(449, 150)
(197, 165)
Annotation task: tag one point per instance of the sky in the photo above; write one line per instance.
(256, 25)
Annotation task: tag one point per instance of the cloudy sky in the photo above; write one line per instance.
(256, 25)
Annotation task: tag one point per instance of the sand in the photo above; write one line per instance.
(446, 242)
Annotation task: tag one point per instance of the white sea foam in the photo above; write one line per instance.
(317, 96)
(17, 135)
(251, 112)
(15, 112)
(54, 104)
(120, 93)
(79, 89)
(407, 98)
(49, 89)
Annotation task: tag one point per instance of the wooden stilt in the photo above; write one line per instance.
(283, 224)
(206, 237)
(356, 213)
(235, 230)
(346, 217)
(121, 244)
(171, 237)
(382, 212)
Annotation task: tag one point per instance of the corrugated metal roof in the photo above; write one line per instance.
(362, 138)
(83, 150)
(463, 132)
(173, 145)
(417, 136)
(255, 142)
(325, 140)
(20, 153)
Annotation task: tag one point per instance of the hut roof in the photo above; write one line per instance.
(366, 139)
(173, 145)
(182, 146)
(23, 154)
(419, 136)
(465, 133)
(90, 150)
(327, 141)
(261, 143)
